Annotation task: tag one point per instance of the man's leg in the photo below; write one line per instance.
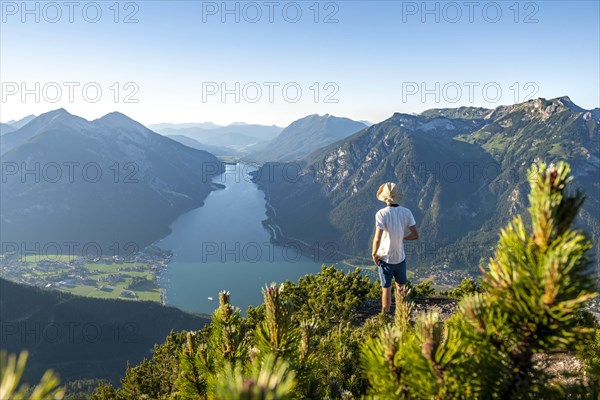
(385, 278)
(386, 299)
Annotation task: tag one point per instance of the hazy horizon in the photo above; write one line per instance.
(239, 122)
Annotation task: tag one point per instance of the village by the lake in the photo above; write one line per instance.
(131, 277)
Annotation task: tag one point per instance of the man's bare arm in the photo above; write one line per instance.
(376, 242)
(414, 233)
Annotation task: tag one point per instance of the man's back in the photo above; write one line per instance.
(394, 222)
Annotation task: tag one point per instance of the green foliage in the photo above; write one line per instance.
(81, 389)
(421, 289)
(272, 381)
(591, 359)
(298, 343)
(589, 354)
(104, 391)
(277, 334)
(466, 287)
(403, 309)
(205, 355)
(11, 371)
(537, 282)
(330, 296)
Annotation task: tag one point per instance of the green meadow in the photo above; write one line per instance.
(100, 280)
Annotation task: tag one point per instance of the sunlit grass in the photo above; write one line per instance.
(99, 272)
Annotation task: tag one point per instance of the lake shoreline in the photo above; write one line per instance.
(225, 245)
(277, 237)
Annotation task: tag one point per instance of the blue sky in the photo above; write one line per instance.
(363, 60)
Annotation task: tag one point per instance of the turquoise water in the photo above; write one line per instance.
(223, 246)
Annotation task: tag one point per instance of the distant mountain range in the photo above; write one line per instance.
(82, 337)
(203, 125)
(260, 143)
(462, 172)
(194, 144)
(236, 138)
(304, 136)
(108, 181)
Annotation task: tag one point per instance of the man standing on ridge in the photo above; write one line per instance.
(392, 226)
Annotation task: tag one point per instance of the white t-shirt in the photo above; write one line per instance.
(394, 222)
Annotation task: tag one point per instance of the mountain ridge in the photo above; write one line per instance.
(306, 135)
(20, 123)
(112, 176)
(465, 173)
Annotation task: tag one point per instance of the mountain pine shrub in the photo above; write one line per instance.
(467, 286)
(535, 288)
(11, 371)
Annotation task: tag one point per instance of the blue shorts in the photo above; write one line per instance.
(387, 271)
